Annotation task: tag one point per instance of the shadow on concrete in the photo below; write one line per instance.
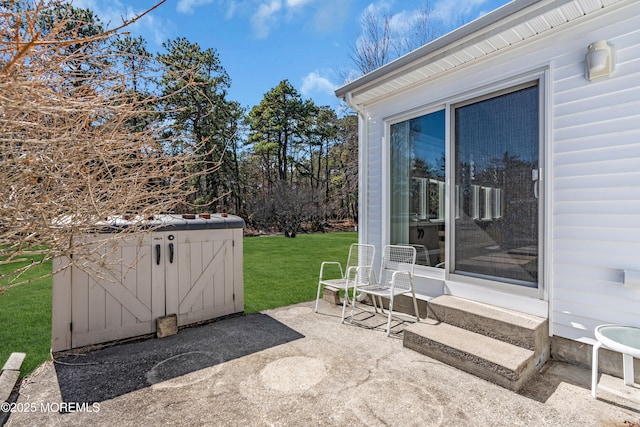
(110, 372)
(545, 383)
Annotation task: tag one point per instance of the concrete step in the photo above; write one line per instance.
(505, 364)
(521, 329)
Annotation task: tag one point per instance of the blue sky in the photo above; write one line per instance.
(261, 42)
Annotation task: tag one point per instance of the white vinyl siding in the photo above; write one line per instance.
(596, 186)
(375, 186)
(591, 163)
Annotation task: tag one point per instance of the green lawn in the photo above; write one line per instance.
(277, 271)
(25, 319)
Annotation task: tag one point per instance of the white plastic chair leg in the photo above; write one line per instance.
(353, 305)
(594, 370)
(318, 297)
(627, 368)
(415, 307)
(344, 303)
(390, 312)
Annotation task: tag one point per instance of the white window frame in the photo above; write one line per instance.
(542, 76)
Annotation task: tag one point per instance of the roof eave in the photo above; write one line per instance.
(447, 41)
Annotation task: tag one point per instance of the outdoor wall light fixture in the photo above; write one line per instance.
(599, 60)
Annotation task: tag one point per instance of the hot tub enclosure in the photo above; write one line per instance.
(188, 267)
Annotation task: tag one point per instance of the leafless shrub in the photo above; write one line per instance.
(73, 155)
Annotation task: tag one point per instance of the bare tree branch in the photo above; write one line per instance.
(70, 158)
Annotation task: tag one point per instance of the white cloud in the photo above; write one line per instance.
(271, 12)
(298, 3)
(315, 84)
(378, 8)
(451, 11)
(231, 10)
(330, 15)
(188, 6)
(265, 17)
(401, 22)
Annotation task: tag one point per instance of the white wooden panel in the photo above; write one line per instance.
(223, 284)
(197, 270)
(113, 308)
(142, 269)
(79, 301)
(97, 303)
(204, 293)
(129, 280)
(192, 301)
(102, 293)
(208, 299)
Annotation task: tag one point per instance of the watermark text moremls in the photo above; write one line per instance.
(61, 407)
(65, 407)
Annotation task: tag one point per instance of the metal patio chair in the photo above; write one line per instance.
(359, 266)
(396, 278)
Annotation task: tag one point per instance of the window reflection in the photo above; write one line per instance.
(418, 186)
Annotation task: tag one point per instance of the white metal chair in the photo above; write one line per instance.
(396, 278)
(359, 266)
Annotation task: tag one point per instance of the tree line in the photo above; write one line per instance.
(95, 127)
(282, 164)
(279, 164)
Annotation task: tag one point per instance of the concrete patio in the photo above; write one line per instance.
(326, 373)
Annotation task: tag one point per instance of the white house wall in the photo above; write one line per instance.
(592, 164)
(596, 186)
